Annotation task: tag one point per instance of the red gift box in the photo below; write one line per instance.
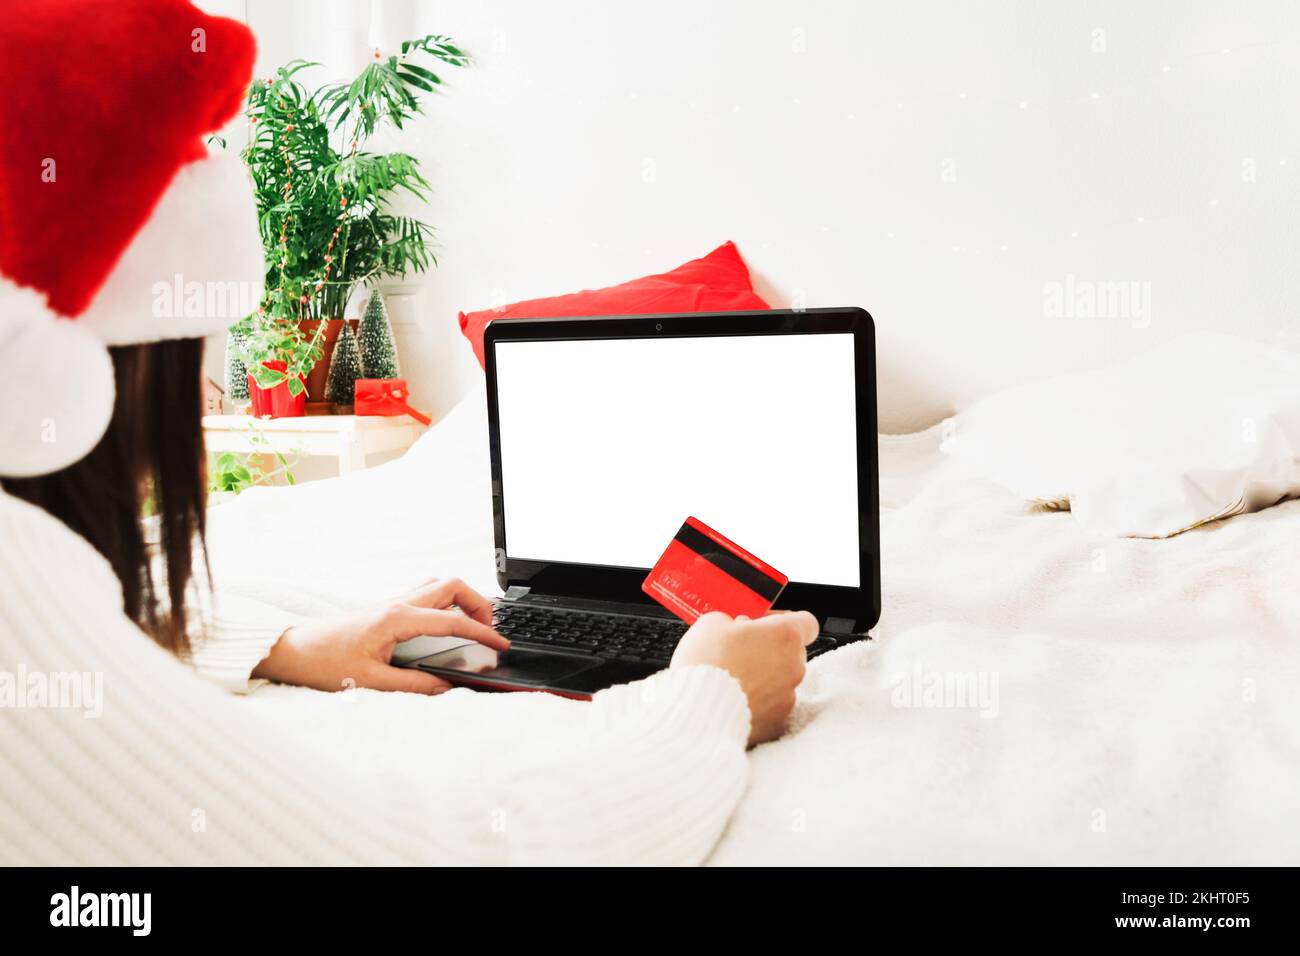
(385, 396)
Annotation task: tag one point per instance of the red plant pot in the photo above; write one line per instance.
(276, 402)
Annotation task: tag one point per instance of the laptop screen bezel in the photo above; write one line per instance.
(860, 605)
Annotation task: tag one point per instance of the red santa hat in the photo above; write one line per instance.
(110, 203)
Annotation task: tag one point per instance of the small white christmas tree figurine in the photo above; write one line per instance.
(345, 368)
(236, 370)
(375, 340)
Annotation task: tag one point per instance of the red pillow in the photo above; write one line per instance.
(719, 282)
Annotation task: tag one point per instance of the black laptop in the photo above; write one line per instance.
(605, 433)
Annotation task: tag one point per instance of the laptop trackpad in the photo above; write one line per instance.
(515, 666)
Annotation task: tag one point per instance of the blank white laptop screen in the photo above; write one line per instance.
(608, 445)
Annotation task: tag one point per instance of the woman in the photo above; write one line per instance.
(101, 395)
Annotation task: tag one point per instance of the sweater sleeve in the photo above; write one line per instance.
(238, 634)
(137, 760)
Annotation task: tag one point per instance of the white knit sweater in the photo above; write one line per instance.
(173, 771)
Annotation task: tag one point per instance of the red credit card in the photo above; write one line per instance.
(702, 571)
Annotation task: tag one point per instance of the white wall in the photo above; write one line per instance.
(936, 163)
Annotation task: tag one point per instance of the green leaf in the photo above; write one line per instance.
(422, 72)
(414, 80)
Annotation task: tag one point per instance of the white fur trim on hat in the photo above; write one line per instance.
(56, 390)
(196, 266)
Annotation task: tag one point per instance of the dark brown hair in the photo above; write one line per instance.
(151, 454)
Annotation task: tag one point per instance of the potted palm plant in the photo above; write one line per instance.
(323, 202)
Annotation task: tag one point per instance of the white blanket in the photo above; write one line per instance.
(1032, 695)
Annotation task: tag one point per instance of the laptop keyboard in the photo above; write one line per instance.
(611, 636)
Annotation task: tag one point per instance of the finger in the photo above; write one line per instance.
(711, 623)
(441, 594)
(713, 619)
(382, 677)
(805, 625)
(408, 621)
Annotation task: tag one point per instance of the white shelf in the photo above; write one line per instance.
(351, 439)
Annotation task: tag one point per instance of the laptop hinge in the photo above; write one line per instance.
(515, 592)
(839, 626)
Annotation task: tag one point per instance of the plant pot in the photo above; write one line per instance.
(319, 373)
(276, 402)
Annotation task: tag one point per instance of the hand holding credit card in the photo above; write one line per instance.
(702, 571)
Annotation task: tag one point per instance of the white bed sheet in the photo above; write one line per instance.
(1147, 706)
